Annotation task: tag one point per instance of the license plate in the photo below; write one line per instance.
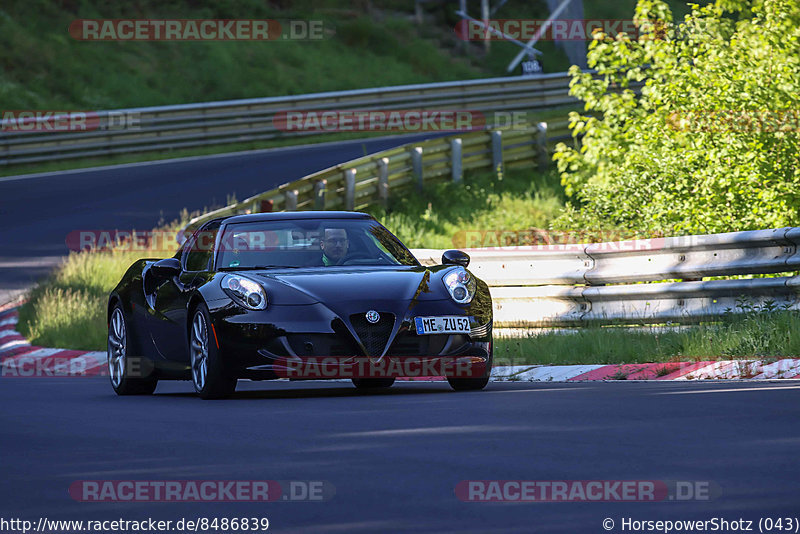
(442, 325)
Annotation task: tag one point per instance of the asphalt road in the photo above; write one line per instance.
(37, 213)
(395, 458)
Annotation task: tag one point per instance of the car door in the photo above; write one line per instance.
(168, 315)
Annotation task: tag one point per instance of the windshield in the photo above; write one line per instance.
(309, 243)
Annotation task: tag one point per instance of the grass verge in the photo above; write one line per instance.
(440, 216)
(68, 309)
(760, 335)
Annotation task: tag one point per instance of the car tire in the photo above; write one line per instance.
(473, 384)
(373, 383)
(119, 359)
(209, 378)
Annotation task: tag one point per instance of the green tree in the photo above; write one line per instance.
(711, 144)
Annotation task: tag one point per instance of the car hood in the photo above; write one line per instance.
(332, 285)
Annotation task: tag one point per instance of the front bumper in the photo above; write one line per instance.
(313, 342)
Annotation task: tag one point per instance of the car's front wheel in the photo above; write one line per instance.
(120, 363)
(208, 375)
(473, 384)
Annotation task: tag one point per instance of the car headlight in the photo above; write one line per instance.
(460, 285)
(248, 292)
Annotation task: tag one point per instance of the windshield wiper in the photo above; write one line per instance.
(257, 267)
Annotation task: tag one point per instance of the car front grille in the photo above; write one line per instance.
(410, 344)
(374, 336)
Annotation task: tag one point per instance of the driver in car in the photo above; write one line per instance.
(334, 246)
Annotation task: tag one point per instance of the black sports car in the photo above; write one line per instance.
(297, 295)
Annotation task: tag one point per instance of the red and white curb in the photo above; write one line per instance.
(20, 358)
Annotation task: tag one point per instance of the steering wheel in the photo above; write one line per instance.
(357, 256)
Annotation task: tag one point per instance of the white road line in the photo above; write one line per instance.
(732, 390)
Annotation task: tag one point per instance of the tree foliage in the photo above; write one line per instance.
(711, 144)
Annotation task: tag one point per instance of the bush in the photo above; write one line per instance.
(711, 145)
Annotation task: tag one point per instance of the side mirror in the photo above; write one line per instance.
(455, 257)
(166, 268)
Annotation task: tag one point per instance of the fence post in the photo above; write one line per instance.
(416, 165)
(541, 146)
(383, 181)
(291, 200)
(349, 189)
(418, 16)
(319, 194)
(485, 17)
(497, 153)
(455, 160)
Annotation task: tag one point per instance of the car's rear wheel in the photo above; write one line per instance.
(373, 383)
(120, 365)
(208, 375)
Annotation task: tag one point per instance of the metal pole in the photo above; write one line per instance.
(319, 194)
(416, 165)
(541, 145)
(291, 200)
(455, 160)
(383, 181)
(485, 17)
(497, 153)
(350, 189)
(462, 7)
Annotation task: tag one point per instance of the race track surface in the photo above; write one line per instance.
(394, 458)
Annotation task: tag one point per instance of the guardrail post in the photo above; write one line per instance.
(291, 200)
(418, 12)
(416, 165)
(383, 181)
(497, 153)
(319, 194)
(350, 189)
(541, 146)
(455, 160)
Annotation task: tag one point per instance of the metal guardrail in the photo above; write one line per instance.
(601, 283)
(366, 181)
(166, 128)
